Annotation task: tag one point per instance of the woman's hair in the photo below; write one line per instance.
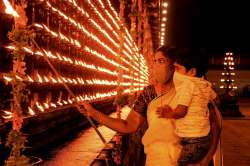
(168, 52)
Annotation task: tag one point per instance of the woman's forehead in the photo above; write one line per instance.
(160, 55)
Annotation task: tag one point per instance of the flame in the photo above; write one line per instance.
(71, 41)
(53, 105)
(64, 79)
(30, 79)
(81, 98)
(78, 98)
(65, 102)
(31, 112)
(77, 43)
(54, 34)
(80, 80)
(46, 79)
(63, 37)
(39, 53)
(8, 115)
(39, 107)
(59, 80)
(53, 80)
(59, 103)
(39, 78)
(28, 50)
(8, 79)
(48, 4)
(11, 47)
(70, 101)
(75, 82)
(70, 80)
(9, 9)
(59, 56)
(38, 25)
(86, 98)
(46, 105)
(19, 78)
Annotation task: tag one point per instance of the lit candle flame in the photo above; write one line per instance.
(59, 103)
(30, 79)
(46, 79)
(28, 50)
(46, 105)
(38, 25)
(8, 115)
(39, 53)
(65, 102)
(59, 80)
(53, 80)
(39, 78)
(53, 105)
(9, 9)
(70, 101)
(11, 47)
(19, 78)
(39, 107)
(31, 112)
(8, 79)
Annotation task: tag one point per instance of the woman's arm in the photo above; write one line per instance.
(131, 124)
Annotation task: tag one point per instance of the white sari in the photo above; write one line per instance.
(161, 144)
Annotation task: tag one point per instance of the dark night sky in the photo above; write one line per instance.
(213, 24)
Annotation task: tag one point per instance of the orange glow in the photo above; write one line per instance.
(8, 79)
(40, 80)
(80, 27)
(39, 106)
(31, 112)
(9, 9)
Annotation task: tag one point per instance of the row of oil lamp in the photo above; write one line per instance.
(46, 106)
(94, 37)
(131, 57)
(80, 63)
(77, 43)
(37, 78)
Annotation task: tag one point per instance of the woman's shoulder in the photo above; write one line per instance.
(147, 94)
(149, 91)
(149, 88)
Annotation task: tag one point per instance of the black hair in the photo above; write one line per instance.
(193, 58)
(168, 52)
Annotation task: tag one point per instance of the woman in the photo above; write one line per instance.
(164, 89)
(153, 96)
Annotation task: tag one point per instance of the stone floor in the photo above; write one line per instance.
(236, 138)
(82, 150)
(235, 143)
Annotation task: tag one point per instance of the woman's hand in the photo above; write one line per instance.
(87, 108)
(164, 112)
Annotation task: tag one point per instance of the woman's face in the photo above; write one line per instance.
(163, 68)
